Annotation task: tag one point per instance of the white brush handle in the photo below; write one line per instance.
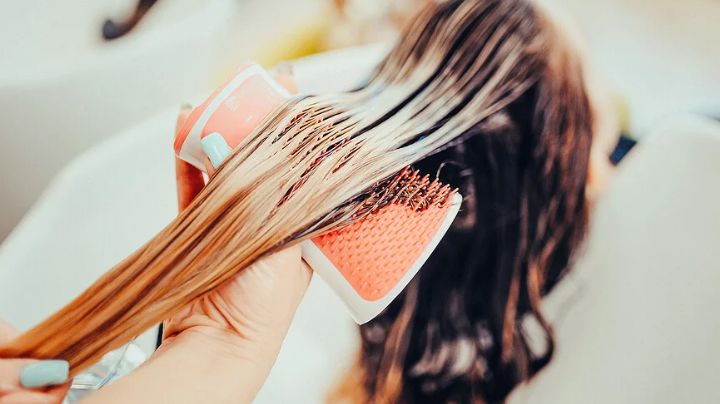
(363, 310)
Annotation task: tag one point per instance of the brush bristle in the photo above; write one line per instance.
(399, 219)
(408, 188)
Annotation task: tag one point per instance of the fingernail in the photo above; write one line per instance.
(284, 68)
(185, 106)
(44, 373)
(216, 148)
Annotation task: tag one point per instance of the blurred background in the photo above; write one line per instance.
(73, 73)
(89, 91)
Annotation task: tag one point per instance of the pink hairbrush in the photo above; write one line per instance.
(367, 263)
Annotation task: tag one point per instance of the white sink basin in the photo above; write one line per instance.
(118, 194)
(63, 88)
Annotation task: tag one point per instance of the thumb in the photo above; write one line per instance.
(263, 298)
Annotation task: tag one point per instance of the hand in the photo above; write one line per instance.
(221, 347)
(253, 305)
(250, 313)
(18, 379)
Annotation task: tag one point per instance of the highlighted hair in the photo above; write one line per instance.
(321, 162)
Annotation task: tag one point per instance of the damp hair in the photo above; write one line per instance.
(479, 91)
(469, 327)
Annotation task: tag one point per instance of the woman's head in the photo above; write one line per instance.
(484, 93)
(457, 333)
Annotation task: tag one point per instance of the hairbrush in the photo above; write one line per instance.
(368, 262)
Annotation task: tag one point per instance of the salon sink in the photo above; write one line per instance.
(118, 194)
(63, 88)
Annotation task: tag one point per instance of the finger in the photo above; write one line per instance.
(10, 374)
(284, 75)
(188, 178)
(171, 325)
(190, 182)
(54, 395)
(185, 110)
(294, 254)
(208, 167)
(19, 374)
(306, 267)
(59, 391)
(290, 257)
(286, 273)
(260, 301)
(29, 397)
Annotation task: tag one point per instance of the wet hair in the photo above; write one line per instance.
(460, 332)
(478, 90)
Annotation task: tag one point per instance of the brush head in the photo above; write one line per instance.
(369, 260)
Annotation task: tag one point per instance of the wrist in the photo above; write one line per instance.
(195, 365)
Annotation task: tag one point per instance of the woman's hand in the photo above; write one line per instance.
(28, 381)
(259, 303)
(221, 347)
(249, 315)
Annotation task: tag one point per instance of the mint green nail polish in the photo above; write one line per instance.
(44, 373)
(216, 148)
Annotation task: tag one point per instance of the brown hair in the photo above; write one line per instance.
(321, 162)
(461, 331)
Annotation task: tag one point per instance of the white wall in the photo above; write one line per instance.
(63, 89)
(662, 55)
